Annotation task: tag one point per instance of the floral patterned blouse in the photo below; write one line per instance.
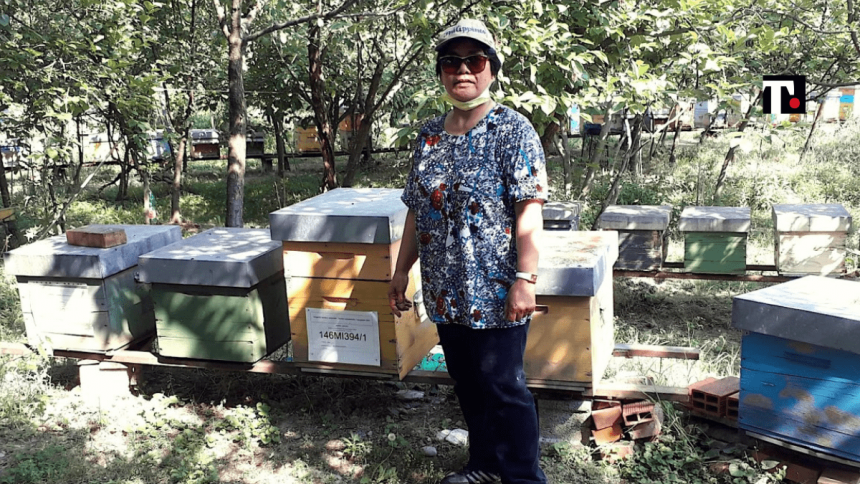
(462, 190)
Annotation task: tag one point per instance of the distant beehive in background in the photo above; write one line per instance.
(642, 232)
(810, 239)
(307, 140)
(86, 298)
(255, 143)
(219, 295)
(561, 215)
(340, 252)
(571, 338)
(205, 143)
(715, 239)
(800, 363)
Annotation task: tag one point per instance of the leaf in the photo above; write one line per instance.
(735, 470)
(4, 20)
(769, 464)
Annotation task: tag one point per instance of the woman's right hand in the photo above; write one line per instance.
(397, 293)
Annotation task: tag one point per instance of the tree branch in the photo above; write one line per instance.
(222, 18)
(326, 16)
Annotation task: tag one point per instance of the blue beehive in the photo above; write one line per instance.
(800, 364)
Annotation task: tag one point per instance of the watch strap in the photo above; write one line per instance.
(527, 276)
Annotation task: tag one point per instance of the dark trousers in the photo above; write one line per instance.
(487, 368)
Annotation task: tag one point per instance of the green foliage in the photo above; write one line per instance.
(47, 464)
(25, 389)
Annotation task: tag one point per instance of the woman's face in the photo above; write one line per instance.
(465, 85)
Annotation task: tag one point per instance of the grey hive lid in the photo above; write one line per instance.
(636, 217)
(715, 219)
(819, 217)
(575, 263)
(225, 257)
(817, 310)
(54, 257)
(354, 215)
(562, 210)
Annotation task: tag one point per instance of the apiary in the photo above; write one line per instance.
(571, 336)
(810, 239)
(86, 298)
(800, 364)
(561, 215)
(340, 251)
(219, 295)
(715, 239)
(642, 233)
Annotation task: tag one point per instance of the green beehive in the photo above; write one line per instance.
(220, 295)
(715, 239)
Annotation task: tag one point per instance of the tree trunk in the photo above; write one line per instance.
(280, 148)
(730, 156)
(238, 120)
(563, 146)
(612, 196)
(811, 130)
(548, 135)
(595, 157)
(324, 128)
(635, 150)
(175, 189)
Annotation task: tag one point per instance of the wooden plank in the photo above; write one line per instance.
(632, 391)
(100, 236)
(231, 350)
(373, 262)
(628, 350)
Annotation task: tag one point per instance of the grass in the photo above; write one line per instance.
(195, 426)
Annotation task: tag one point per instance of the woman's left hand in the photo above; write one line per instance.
(521, 300)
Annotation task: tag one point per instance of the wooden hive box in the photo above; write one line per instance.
(642, 233)
(220, 295)
(571, 338)
(810, 239)
(561, 215)
(85, 298)
(340, 251)
(715, 239)
(255, 143)
(800, 364)
(205, 143)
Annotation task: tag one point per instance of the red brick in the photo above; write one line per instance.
(732, 406)
(607, 435)
(94, 236)
(839, 476)
(711, 397)
(650, 428)
(616, 451)
(606, 417)
(638, 412)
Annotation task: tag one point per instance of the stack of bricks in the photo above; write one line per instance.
(612, 420)
(715, 398)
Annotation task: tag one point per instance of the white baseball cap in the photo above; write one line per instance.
(467, 28)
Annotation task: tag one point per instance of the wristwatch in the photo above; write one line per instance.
(527, 276)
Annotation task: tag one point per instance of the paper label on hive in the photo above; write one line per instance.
(343, 336)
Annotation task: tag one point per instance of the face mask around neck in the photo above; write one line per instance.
(468, 105)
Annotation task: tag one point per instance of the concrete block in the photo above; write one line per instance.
(635, 217)
(561, 215)
(224, 257)
(820, 217)
(715, 219)
(54, 257)
(793, 309)
(101, 381)
(351, 215)
(575, 263)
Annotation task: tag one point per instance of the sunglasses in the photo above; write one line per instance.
(450, 64)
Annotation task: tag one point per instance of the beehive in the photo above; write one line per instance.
(205, 143)
(86, 298)
(340, 251)
(561, 215)
(642, 232)
(571, 337)
(715, 239)
(307, 140)
(800, 364)
(219, 295)
(255, 143)
(810, 239)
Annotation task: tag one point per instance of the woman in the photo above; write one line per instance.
(475, 195)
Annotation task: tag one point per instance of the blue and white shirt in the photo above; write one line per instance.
(462, 190)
